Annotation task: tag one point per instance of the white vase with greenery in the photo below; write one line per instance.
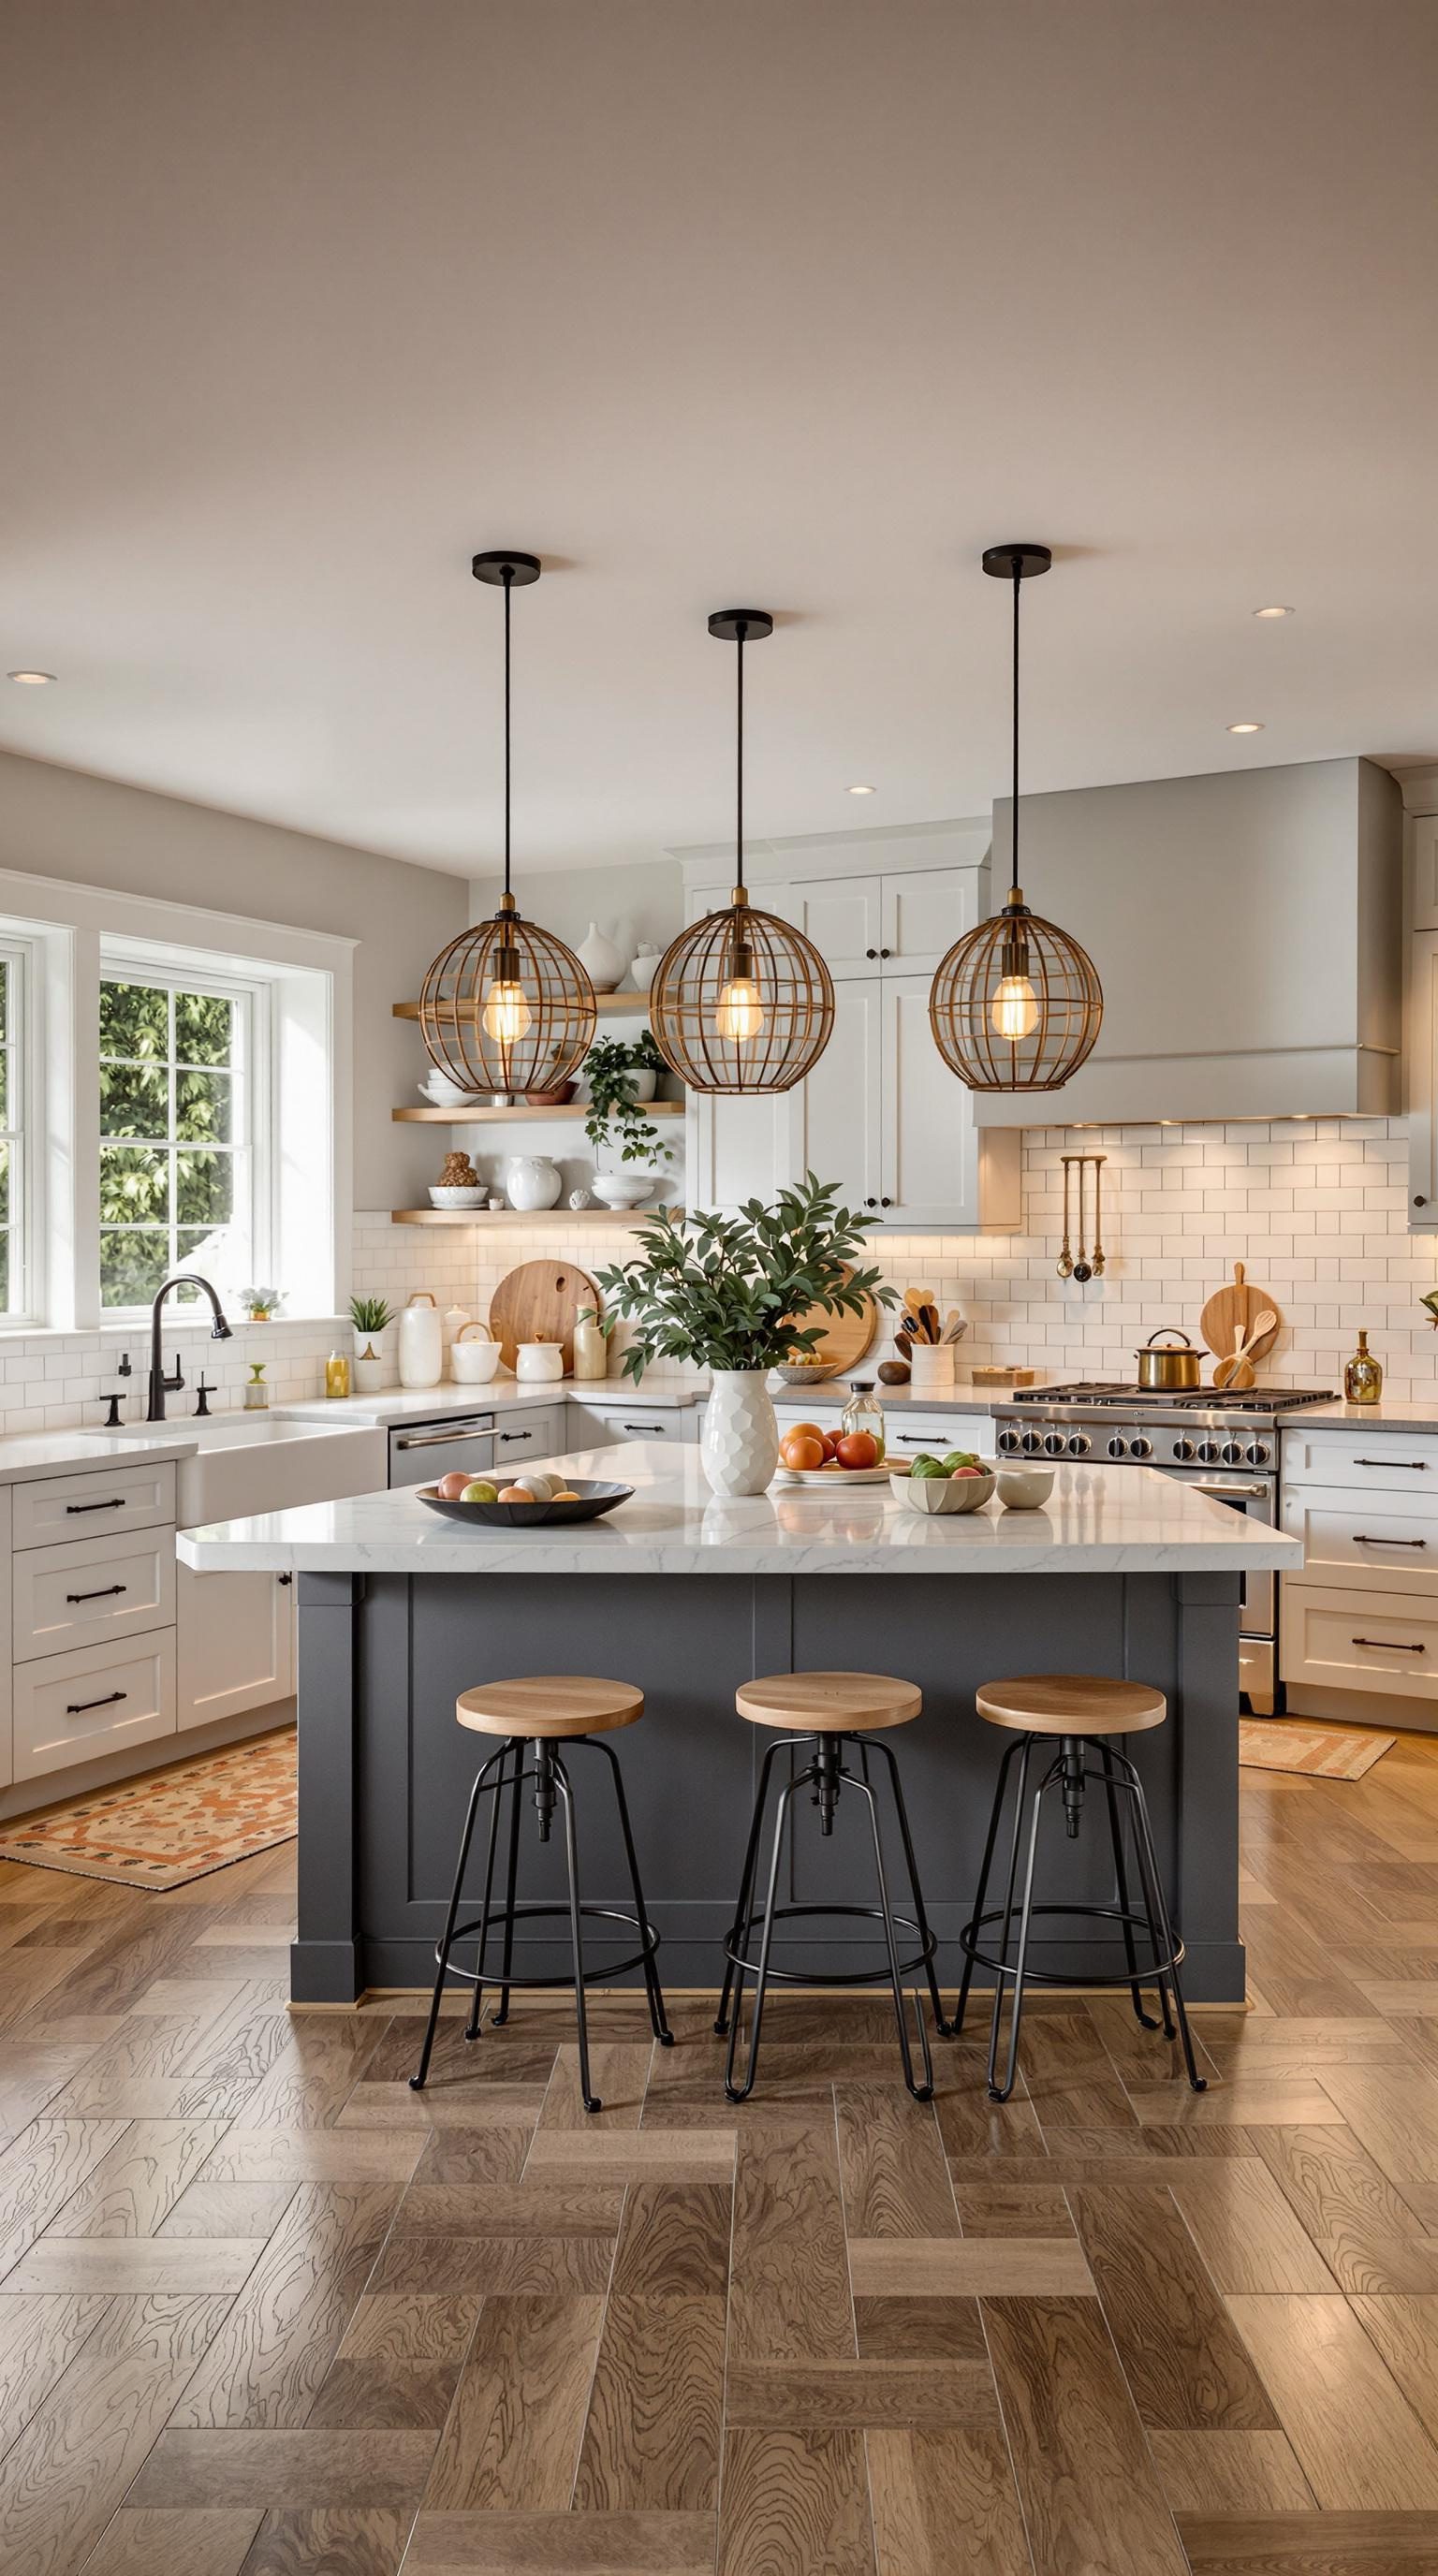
(725, 1293)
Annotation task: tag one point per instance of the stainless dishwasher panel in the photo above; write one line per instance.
(421, 1452)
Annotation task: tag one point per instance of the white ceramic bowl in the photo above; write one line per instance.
(445, 1095)
(448, 1198)
(621, 1189)
(473, 1363)
(940, 1494)
(1025, 1489)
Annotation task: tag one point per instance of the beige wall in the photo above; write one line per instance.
(642, 901)
(61, 823)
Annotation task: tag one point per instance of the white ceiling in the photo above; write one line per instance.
(789, 302)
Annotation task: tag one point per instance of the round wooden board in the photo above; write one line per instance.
(843, 1339)
(539, 1301)
(1229, 1313)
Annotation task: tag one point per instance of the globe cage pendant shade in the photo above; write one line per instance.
(507, 1008)
(1016, 1005)
(741, 1002)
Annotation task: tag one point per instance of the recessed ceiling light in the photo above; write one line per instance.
(1245, 728)
(1273, 612)
(31, 679)
(861, 791)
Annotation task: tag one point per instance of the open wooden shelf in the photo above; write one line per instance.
(519, 1216)
(610, 1006)
(573, 1109)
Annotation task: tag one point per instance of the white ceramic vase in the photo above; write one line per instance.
(739, 1436)
(532, 1182)
(641, 967)
(602, 962)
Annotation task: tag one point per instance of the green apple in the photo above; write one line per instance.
(960, 1458)
(924, 1465)
(481, 1491)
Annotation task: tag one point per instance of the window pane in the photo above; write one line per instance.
(134, 1185)
(134, 1019)
(204, 1029)
(4, 997)
(204, 1192)
(4, 1086)
(134, 1101)
(4, 1186)
(132, 1266)
(5, 1269)
(203, 1108)
(218, 1251)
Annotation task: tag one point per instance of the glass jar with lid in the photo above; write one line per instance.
(864, 1412)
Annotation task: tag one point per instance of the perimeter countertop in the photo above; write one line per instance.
(1099, 1520)
(1402, 1413)
(54, 1453)
(655, 1393)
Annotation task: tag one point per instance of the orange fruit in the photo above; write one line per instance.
(514, 1494)
(804, 1431)
(803, 1449)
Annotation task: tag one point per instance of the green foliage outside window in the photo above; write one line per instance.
(168, 1127)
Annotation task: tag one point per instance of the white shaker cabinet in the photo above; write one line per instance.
(236, 1644)
(835, 1119)
(1420, 995)
(937, 1168)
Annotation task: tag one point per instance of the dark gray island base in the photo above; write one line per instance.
(385, 1771)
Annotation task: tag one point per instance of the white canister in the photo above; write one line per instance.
(473, 1362)
(421, 1341)
(452, 1323)
(931, 1366)
(538, 1363)
(591, 1350)
(532, 1182)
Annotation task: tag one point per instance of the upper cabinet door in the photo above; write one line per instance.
(1423, 845)
(937, 1167)
(1422, 1069)
(922, 913)
(836, 1113)
(840, 914)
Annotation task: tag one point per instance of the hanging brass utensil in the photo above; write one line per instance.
(1082, 1271)
(1065, 1256)
(1099, 1161)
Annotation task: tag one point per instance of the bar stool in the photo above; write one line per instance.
(1081, 1710)
(533, 1715)
(826, 1711)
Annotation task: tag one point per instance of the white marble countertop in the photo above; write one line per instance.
(1099, 1520)
(502, 1395)
(52, 1453)
(1401, 1413)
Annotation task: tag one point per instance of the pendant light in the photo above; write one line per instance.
(507, 1008)
(1016, 1005)
(741, 1002)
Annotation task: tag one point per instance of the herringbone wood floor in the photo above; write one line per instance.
(262, 2309)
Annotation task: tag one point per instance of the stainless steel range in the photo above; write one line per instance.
(1222, 1443)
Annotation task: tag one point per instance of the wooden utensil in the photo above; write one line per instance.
(843, 1339)
(1231, 1311)
(1237, 1369)
(539, 1301)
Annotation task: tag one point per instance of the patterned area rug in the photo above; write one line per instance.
(173, 1825)
(1289, 1744)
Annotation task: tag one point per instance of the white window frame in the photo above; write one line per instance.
(23, 1130)
(132, 963)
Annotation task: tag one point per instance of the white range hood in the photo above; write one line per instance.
(1247, 931)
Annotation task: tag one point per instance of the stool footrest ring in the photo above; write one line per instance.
(1145, 1969)
(485, 1925)
(734, 1949)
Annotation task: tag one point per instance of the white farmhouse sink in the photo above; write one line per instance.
(258, 1462)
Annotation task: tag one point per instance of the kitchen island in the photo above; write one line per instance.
(686, 1594)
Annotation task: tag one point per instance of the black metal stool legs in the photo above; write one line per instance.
(1000, 2092)
(657, 2022)
(446, 1942)
(1120, 1879)
(1011, 1754)
(745, 1905)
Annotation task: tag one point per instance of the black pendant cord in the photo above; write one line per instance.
(741, 632)
(1014, 825)
(508, 599)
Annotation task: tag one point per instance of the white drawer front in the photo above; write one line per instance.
(1361, 1540)
(940, 1432)
(97, 1504)
(66, 1596)
(536, 1435)
(96, 1700)
(1359, 1640)
(1365, 1461)
(637, 1421)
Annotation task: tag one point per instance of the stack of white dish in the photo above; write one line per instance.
(443, 1093)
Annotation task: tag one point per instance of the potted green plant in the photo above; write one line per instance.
(372, 1318)
(260, 1305)
(618, 1072)
(730, 1293)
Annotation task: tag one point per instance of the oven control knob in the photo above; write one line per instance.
(1031, 1444)
(1054, 1444)
(1008, 1441)
(1079, 1444)
(1118, 1448)
(1231, 1454)
(1208, 1452)
(1183, 1452)
(1140, 1448)
(1257, 1453)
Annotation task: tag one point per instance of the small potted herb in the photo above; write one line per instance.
(261, 1305)
(731, 1293)
(371, 1318)
(619, 1073)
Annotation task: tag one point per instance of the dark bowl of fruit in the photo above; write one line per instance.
(533, 1501)
(960, 1482)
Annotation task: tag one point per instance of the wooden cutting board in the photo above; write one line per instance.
(843, 1339)
(1229, 1313)
(538, 1302)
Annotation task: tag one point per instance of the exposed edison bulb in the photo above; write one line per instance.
(1014, 1009)
(738, 1013)
(506, 1015)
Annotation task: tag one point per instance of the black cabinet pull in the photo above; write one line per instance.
(286, 1578)
(886, 1202)
(871, 952)
(78, 1707)
(643, 1426)
(1390, 1645)
(517, 1435)
(102, 1595)
(886, 952)
(1410, 1466)
(1360, 1541)
(115, 1504)
(1420, 1201)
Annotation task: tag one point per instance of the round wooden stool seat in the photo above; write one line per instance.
(550, 1704)
(828, 1703)
(1071, 1704)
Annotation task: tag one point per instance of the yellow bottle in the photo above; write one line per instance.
(1363, 1377)
(337, 1374)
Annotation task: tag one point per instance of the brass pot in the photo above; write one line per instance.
(1167, 1368)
